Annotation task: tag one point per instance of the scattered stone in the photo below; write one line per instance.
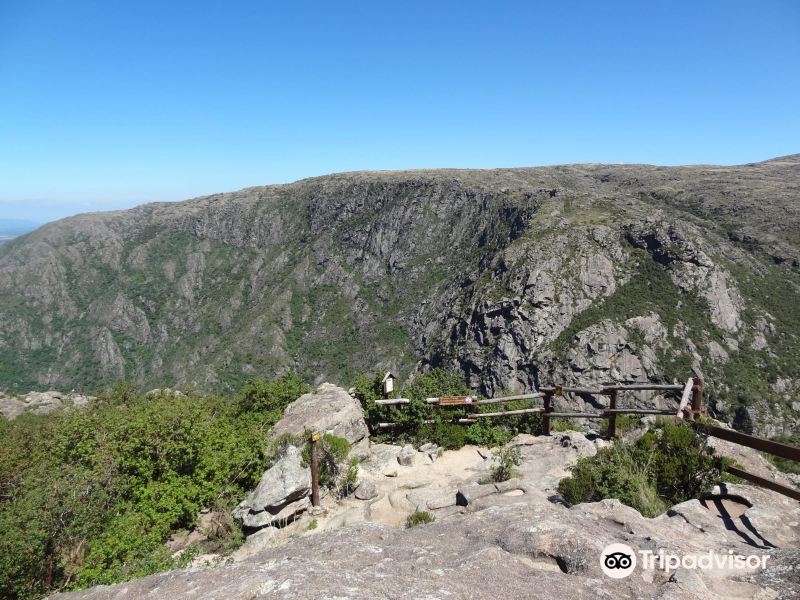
(469, 494)
(41, 403)
(407, 455)
(366, 490)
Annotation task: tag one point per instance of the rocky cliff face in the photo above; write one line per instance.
(515, 277)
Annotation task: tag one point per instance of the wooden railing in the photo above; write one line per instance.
(690, 407)
(693, 390)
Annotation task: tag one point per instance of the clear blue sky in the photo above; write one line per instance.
(113, 103)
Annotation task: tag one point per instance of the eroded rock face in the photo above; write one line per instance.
(329, 409)
(516, 550)
(678, 246)
(498, 275)
(281, 494)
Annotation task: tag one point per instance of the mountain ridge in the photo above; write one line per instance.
(499, 274)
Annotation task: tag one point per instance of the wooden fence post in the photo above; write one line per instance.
(612, 419)
(697, 398)
(314, 469)
(548, 408)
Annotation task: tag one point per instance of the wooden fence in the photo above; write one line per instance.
(690, 406)
(692, 391)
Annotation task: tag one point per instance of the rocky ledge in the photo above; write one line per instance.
(519, 550)
(514, 539)
(40, 403)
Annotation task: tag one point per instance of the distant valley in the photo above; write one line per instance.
(11, 228)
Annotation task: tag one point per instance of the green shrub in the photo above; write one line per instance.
(483, 433)
(350, 480)
(90, 496)
(664, 467)
(312, 525)
(449, 436)
(625, 423)
(270, 398)
(332, 452)
(563, 425)
(419, 517)
(411, 418)
(508, 457)
(784, 464)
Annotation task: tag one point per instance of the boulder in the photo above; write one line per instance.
(407, 455)
(276, 517)
(286, 481)
(382, 460)
(366, 490)
(329, 409)
(470, 493)
(255, 543)
(41, 403)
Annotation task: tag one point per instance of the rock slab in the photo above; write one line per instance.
(329, 409)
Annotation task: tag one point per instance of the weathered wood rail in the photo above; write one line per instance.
(690, 407)
(693, 388)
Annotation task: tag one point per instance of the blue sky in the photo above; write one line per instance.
(111, 104)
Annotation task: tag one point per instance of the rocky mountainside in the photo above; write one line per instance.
(515, 538)
(514, 277)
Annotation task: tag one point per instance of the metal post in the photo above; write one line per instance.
(612, 419)
(548, 408)
(697, 398)
(314, 469)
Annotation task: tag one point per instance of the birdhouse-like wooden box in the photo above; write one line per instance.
(388, 383)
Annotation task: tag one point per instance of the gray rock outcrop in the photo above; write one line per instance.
(407, 456)
(329, 409)
(41, 403)
(281, 494)
(517, 550)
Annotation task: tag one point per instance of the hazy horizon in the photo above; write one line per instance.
(129, 103)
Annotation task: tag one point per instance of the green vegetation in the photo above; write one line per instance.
(664, 467)
(625, 423)
(508, 457)
(784, 464)
(419, 517)
(90, 496)
(332, 453)
(443, 431)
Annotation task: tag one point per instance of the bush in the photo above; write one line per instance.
(485, 434)
(449, 436)
(662, 468)
(90, 496)
(508, 457)
(269, 399)
(784, 464)
(350, 480)
(419, 517)
(411, 417)
(557, 425)
(332, 452)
